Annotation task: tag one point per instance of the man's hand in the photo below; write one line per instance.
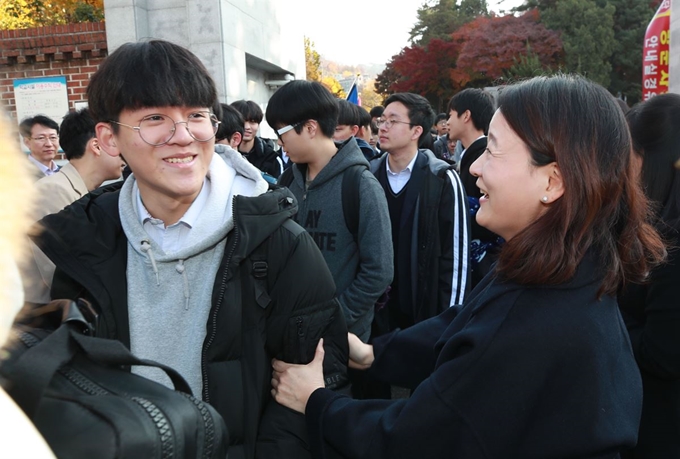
(293, 384)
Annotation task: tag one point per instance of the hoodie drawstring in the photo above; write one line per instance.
(180, 269)
(146, 248)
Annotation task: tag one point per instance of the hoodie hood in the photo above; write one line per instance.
(347, 156)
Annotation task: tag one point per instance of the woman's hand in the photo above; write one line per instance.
(360, 354)
(293, 384)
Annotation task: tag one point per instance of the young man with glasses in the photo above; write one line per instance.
(41, 137)
(305, 115)
(192, 262)
(429, 215)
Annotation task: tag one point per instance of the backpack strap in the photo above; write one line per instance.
(259, 269)
(351, 202)
(286, 178)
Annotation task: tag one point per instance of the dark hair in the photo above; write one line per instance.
(364, 117)
(624, 106)
(299, 101)
(27, 124)
(426, 142)
(347, 114)
(420, 111)
(77, 128)
(480, 104)
(441, 116)
(577, 124)
(655, 128)
(377, 111)
(374, 128)
(154, 73)
(231, 123)
(249, 109)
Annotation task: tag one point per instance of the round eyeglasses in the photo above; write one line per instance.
(157, 129)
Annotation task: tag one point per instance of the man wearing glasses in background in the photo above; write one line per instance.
(41, 137)
(192, 262)
(429, 215)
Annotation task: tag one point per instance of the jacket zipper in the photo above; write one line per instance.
(301, 340)
(220, 298)
(160, 420)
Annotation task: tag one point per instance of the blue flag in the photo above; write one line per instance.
(353, 95)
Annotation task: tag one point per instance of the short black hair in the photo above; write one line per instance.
(441, 116)
(27, 124)
(154, 73)
(299, 101)
(420, 111)
(364, 117)
(479, 102)
(249, 109)
(347, 114)
(377, 111)
(231, 122)
(77, 128)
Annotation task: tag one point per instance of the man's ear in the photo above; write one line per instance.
(416, 133)
(106, 139)
(311, 126)
(93, 146)
(235, 140)
(355, 130)
(26, 140)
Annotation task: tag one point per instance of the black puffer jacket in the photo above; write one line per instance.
(265, 157)
(273, 296)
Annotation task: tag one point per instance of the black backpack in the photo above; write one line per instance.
(74, 389)
(351, 181)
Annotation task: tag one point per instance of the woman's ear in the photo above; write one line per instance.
(107, 139)
(555, 188)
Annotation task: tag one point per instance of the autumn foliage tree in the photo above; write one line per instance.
(490, 47)
(22, 14)
(479, 54)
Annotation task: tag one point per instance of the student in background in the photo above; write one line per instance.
(260, 152)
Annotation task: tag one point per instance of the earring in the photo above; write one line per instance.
(544, 199)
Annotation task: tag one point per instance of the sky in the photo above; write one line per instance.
(366, 31)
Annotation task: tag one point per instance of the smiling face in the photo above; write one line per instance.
(167, 175)
(250, 130)
(513, 187)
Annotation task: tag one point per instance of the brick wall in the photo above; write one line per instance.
(72, 50)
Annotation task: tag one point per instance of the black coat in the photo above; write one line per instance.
(652, 315)
(530, 372)
(265, 157)
(434, 240)
(87, 243)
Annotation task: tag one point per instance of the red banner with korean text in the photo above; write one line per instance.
(655, 53)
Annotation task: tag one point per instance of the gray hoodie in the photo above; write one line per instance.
(169, 294)
(361, 269)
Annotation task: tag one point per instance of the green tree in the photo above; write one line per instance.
(443, 17)
(527, 66)
(312, 61)
(630, 23)
(587, 32)
(22, 14)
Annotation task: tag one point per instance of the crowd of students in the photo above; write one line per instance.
(519, 277)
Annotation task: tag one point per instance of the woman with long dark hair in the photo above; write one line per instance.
(652, 311)
(537, 363)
